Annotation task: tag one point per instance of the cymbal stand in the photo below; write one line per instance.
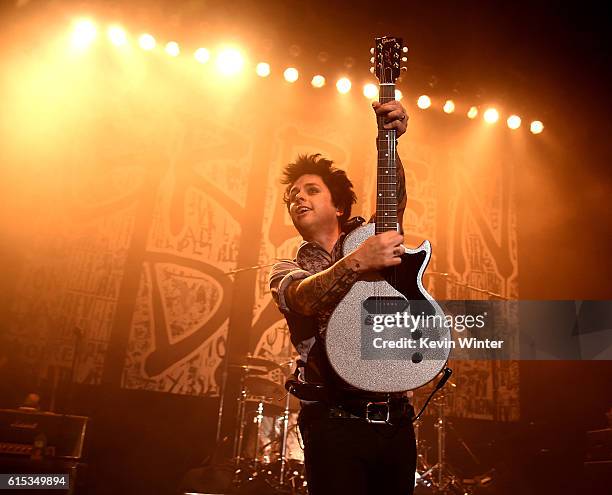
(284, 440)
(241, 412)
(258, 420)
(422, 467)
(444, 479)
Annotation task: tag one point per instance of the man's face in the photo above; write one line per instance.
(311, 206)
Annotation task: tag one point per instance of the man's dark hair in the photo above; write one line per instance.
(336, 180)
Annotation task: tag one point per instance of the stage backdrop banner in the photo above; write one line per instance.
(157, 188)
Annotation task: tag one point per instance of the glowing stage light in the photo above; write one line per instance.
(229, 62)
(291, 74)
(491, 116)
(514, 122)
(424, 102)
(472, 113)
(449, 106)
(172, 48)
(263, 69)
(202, 55)
(343, 85)
(117, 35)
(370, 91)
(146, 42)
(84, 34)
(536, 127)
(318, 81)
(398, 95)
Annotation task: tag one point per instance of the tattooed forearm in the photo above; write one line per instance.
(324, 289)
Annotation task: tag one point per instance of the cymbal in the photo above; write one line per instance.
(250, 371)
(249, 361)
(264, 388)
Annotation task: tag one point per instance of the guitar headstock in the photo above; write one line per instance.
(388, 53)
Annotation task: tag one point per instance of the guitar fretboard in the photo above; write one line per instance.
(386, 180)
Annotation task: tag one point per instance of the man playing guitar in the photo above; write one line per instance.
(355, 441)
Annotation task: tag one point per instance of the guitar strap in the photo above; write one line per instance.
(352, 223)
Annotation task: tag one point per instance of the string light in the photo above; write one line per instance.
(291, 74)
(262, 69)
(146, 41)
(536, 127)
(318, 81)
(117, 35)
(172, 49)
(229, 62)
(84, 34)
(491, 115)
(514, 122)
(424, 102)
(202, 55)
(449, 106)
(343, 85)
(370, 91)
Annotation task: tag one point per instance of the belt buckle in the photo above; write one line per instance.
(369, 412)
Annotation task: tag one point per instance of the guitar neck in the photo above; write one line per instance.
(386, 172)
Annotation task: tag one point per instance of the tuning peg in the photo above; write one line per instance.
(405, 49)
(404, 59)
(404, 69)
(372, 60)
(372, 70)
(372, 50)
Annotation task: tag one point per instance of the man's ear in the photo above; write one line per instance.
(339, 212)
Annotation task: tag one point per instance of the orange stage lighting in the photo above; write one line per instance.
(146, 41)
(536, 127)
(398, 95)
(172, 48)
(83, 34)
(472, 112)
(262, 69)
(491, 115)
(370, 91)
(343, 85)
(291, 74)
(514, 122)
(318, 81)
(202, 55)
(449, 106)
(424, 102)
(229, 62)
(116, 35)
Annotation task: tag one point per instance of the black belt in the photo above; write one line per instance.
(377, 411)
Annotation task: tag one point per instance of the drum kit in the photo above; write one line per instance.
(267, 445)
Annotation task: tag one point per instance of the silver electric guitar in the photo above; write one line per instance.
(388, 334)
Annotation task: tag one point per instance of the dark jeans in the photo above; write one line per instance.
(349, 456)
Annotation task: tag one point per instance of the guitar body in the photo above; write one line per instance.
(344, 337)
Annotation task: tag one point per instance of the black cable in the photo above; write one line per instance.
(447, 373)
